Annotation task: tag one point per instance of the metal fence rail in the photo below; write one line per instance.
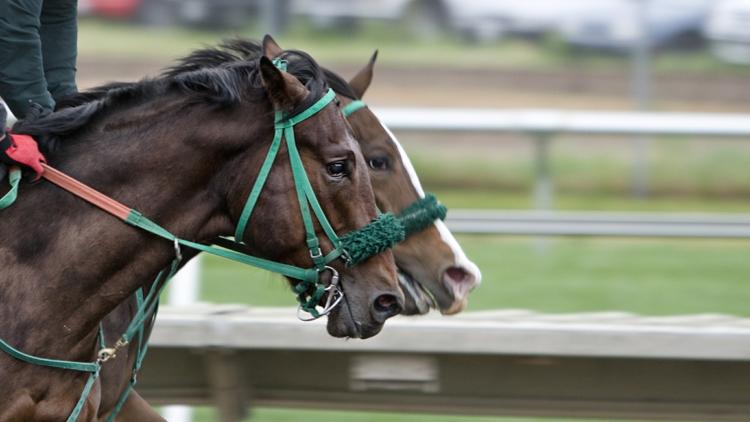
(549, 223)
(565, 121)
(544, 125)
(608, 365)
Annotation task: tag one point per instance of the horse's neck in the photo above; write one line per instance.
(66, 264)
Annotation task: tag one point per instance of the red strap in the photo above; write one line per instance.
(24, 150)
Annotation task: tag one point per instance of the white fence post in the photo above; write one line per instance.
(184, 290)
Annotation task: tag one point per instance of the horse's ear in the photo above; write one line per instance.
(271, 48)
(361, 81)
(284, 90)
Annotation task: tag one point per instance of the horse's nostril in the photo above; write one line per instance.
(387, 305)
(458, 275)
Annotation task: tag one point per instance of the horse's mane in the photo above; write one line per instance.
(229, 51)
(239, 49)
(219, 77)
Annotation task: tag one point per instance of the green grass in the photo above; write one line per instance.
(655, 277)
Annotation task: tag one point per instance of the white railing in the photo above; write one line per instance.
(610, 224)
(534, 121)
(543, 125)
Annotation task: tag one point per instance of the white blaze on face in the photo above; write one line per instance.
(461, 260)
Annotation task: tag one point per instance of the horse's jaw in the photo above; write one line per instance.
(418, 300)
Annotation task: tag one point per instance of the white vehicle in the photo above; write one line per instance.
(728, 29)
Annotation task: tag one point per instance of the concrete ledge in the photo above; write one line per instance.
(511, 332)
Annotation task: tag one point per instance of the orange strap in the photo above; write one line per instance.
(85, 192)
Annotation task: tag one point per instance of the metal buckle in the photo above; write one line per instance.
(177, 250)
(346, 257)
(106, 354)
(110, 352)
(318, 254)
(335, 296)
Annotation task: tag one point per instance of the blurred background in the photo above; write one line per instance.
(561, 56)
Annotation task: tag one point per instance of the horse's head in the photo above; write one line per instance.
(433, 269)
(338, 176)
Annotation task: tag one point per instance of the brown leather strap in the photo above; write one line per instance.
(86, 193)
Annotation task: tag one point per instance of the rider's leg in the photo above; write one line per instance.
(21, 71)
(59, 33)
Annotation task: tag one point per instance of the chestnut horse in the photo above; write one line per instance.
(183, 151)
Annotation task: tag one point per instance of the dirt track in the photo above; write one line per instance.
(567, 88)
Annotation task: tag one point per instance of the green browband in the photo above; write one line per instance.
(352, 107)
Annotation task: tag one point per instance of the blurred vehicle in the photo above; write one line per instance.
(728, 30)
(487, 20)
(214, 13)
(425, 17)
(614, 24)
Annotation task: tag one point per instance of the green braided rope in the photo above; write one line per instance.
(421, 214)
(387, 230)
(381, 234)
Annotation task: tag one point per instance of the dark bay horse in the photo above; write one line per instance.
(183, 151)
(434, 270)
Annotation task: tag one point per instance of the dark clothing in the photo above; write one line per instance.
(37, 52)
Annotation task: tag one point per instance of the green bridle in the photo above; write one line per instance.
(310, 289)
(354, 247)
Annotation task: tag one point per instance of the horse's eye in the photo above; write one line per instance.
(338, 168)
(378, 163)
